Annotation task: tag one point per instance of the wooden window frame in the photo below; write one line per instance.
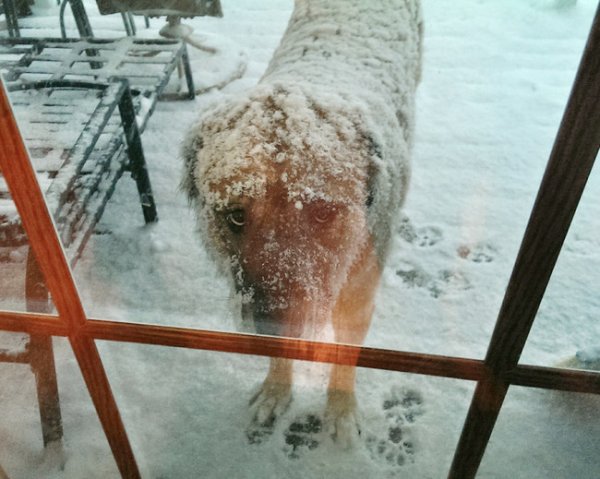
(570, 163)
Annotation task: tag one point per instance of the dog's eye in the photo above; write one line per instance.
(324, 213)
(235, 220)
(322, 217)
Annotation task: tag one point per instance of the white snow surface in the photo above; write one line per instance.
(496, 77)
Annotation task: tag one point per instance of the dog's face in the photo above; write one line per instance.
(290, 257)
(288, 214)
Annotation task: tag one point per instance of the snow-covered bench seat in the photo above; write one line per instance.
(71, 99)
(81, 106)
(77, 133)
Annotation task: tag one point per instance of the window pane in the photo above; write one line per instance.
(19, 274)
(83, 450)
(188, 411)
(566, 331)
(488, 108)
(487, 111)
(12, 277)
(542, 434)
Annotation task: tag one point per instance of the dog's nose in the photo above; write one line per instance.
(260, 312)
(273, 315)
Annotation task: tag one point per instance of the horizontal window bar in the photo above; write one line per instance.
(375, 358)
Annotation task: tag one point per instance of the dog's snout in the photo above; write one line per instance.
(271, 315)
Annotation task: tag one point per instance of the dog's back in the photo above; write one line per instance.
(360, 60)
(352, 48)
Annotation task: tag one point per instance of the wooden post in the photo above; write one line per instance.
(569, 166)
(3, 474)
(37, 222)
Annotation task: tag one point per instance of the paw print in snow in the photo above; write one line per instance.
(448, 281)
(428, 236)
(401, 409)
(257, 434)
(478, 253)
(424, 236)
(445, 282)
(412, 276)
(303, 435)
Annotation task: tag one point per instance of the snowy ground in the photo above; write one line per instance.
(496, 78)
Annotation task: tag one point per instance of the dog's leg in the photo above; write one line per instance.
(351, 320)
(275, 394)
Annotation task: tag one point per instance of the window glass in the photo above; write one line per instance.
(543, 434)
(161, 273)
(488, 107)
(495, 80)
(566, 332)
(20, 275)
(22, 451)
(188, 411)
(12, 279)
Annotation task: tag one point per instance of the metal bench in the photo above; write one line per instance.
(81, 106)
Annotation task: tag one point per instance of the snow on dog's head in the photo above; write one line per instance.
(280, 185)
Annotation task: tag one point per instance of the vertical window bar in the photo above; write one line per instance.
(569, 166)
(43, 238)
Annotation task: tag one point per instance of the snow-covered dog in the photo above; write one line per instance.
(297, 184)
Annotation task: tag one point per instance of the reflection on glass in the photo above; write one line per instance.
(13, 260)
(21, 281)
(188, 412)
(566, 331)
(22, 452)
(542, 434)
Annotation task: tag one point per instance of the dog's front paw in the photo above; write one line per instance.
(341, 418)
(270, 402)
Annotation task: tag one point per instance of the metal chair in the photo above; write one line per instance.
(9, 8)
(81, 171)
(174, 10)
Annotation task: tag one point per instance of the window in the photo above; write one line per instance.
(146, 322)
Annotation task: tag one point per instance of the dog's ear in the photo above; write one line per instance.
(375, 159)
(189, 151)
